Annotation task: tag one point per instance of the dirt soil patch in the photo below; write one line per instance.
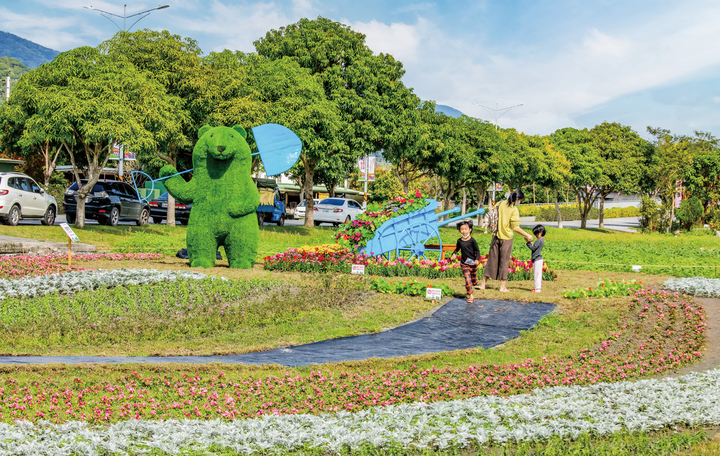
(711, 350)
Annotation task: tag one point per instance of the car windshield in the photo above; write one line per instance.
(302, 204)
(333, 201)
(96, 187)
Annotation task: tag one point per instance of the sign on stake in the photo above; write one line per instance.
(72, 237)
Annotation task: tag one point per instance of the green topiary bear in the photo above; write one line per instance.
(224, 198)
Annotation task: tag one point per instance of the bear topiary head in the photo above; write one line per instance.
(223, 143)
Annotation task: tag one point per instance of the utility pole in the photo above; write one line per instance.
(498, 113)
(7, 89)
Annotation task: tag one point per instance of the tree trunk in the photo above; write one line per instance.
(481, 200)
(331, 190)
(547, 195)
(171, 159)
(533, 192)
(463, 211)
(601, 221)
(557, 210)
(309, 174)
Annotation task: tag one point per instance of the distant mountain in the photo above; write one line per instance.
(13, 68)
(448, 111)
(29, 53)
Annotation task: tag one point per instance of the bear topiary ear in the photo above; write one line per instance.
(240, 130)
(203, 130)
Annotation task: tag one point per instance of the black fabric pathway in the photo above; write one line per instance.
(456, 325)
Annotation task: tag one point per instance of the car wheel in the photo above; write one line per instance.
(316, 223)
(157, 220)
(13, 216)
(113, 218)
(144, 217)
(281, 221)
(261, 219)
(49, 217)
(70, 218)
(348, 219)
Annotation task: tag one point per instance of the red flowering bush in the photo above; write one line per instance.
(324, 260)
(356, 233)
(663, 331)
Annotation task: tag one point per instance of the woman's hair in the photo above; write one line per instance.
(515, 196)
(465, 222)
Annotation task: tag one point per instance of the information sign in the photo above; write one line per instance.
(71, 234)
(358, 269)
(433, 293)
(636, 268)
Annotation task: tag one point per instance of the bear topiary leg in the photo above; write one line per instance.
(241, 243)
(202, 246)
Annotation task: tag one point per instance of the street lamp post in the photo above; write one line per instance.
(501, 111)
(125, 17)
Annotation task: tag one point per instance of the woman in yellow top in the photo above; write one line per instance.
(498, 262)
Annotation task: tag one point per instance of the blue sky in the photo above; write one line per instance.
(569, 63)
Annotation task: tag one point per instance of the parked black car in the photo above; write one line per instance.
(109, 202)
(158, 210)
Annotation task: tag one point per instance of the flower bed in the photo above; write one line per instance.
(565, 412)
(76, 281)
(664, 331)
(697, 286)
(324, 260)
(33, 265)
(604, 289)
(358, 232)
(412, 288)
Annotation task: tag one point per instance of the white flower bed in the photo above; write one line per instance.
(76, 281)
(645, 405)
(696, 286)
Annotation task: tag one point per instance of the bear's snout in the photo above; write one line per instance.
(221, 149)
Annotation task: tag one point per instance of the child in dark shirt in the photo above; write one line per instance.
(537, 259)
(469, 256)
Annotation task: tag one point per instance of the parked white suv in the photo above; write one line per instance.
(22, 198)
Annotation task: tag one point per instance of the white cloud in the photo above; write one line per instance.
(716, 99)
(237, 27)
(554, 84)
(400, 40)
(54, 32)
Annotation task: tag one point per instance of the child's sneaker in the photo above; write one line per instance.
(534, 291)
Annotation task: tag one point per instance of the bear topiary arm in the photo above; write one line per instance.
(182, 191)
(248, 203)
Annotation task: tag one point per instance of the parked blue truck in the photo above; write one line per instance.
(271, 209)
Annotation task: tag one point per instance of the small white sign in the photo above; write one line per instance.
(636, 268)
(358, 269)
(433, 293)
(71, 234)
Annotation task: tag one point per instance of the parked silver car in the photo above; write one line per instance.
(300, 209)
(336, 211)
(22, 198)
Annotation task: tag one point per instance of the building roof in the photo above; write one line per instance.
(320, 189)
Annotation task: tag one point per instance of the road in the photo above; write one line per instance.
(627, 224)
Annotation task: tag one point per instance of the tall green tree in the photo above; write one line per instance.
(84, 99)
(365, 88)
(622, 152)
(553, 172)
(175, 63)
(702, 177)
(671, 165)
(585, 166)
